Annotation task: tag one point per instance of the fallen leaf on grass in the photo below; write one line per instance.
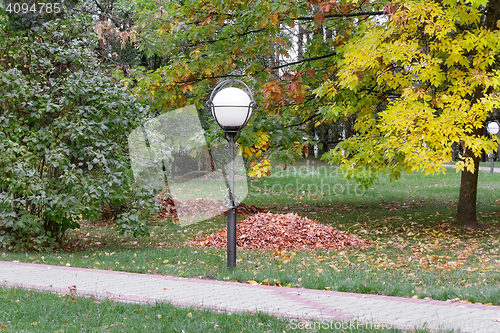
(252, 282)
(457, 300)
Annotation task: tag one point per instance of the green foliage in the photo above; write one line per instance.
(201, 43)
(63, 143)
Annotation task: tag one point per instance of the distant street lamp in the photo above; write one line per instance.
(231, 108)
(493, 128)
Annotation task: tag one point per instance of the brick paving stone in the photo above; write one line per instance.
(321, 305)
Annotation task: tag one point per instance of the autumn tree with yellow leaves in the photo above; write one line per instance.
(424, 79)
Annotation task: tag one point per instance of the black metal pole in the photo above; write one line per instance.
(231, 213)
(492, 162)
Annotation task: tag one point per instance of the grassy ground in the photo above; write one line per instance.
(34, 311)
(496, 164)
(417, 251)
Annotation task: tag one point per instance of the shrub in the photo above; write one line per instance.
(63, 139)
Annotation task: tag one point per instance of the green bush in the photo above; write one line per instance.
(63, 138)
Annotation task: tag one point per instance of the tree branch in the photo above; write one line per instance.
(305, 60)
(305, 121)
(310, 18)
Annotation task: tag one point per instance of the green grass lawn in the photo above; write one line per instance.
(35, 311)
(416, 251)
(496, 164)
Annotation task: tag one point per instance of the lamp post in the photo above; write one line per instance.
(493, 129)
(231, 108)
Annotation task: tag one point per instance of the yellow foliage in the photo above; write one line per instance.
(258, 147)
(261, 169)
(439, 80)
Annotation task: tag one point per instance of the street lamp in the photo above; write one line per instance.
(231, 108)
(493, 129)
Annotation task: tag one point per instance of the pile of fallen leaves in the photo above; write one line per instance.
(282, 231)
(167, 207)
(199, 206)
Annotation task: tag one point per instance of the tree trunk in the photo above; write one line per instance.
(466, 210)
(323, 134)
(492, 14)
(312, 133)
(300, 43)
(348, 128)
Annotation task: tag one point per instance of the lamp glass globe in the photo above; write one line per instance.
(231, 107)
(493, 127)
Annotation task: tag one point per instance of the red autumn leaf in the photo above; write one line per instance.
(207, 21)
(328, 7)
(292, 88)
(320, 17)
(389, 8)
(274, 19)
(344, 9)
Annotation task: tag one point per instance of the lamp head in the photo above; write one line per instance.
(231, 107)
(493, 127)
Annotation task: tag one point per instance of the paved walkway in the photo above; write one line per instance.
(318, 306)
